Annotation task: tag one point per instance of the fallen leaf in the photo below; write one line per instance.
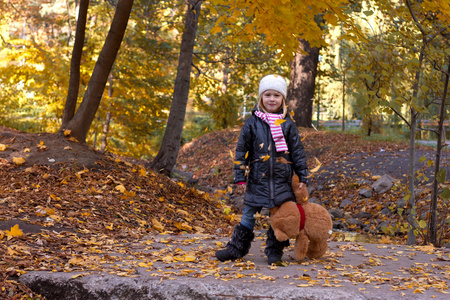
(279, 122)
(120, 188)
(157, 225)
(15, 231)
(19, 160)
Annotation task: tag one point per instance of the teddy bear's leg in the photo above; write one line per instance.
(285, 221)
(317, 248)
(301, 245)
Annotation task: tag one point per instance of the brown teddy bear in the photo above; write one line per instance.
(309, 223)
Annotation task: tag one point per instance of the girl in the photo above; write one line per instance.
(270, 146)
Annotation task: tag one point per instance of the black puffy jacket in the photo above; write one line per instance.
(270, 172)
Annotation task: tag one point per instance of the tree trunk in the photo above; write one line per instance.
(412, 155)
(80, 123)
(343, 102)
(74, 81)
(302, 83)
(167, 156)
(412, 217)
(105, 131)
(432, 223)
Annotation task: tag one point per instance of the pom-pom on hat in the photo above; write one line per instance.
(273, 82)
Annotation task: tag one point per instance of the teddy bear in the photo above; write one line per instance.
(309, 224)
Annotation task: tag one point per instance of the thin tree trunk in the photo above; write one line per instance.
(105, 131)
(302, 84)
(80, 123)
(167, 156)
(412, 155)
(343, 103)
(432, 223)
(412, 201)
(74, 81)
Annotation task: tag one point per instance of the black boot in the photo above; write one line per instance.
(274, 248)
(239, 244)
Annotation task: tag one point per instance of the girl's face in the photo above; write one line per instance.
(272, 100)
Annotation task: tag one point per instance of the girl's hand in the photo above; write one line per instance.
(241, 186)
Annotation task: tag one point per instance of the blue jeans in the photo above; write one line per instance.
(248, 216)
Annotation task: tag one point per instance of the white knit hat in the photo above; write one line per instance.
(273, 82)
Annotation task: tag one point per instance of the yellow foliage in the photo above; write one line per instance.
(2, 147)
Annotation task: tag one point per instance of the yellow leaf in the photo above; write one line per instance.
(121, 188)
(2, 147)
(67, 132)
(292, 113)
(266, 157)
(279, 122)
(157, 225)
(56, 218)
(231, 154)
(319, 164)
(216, 29)
(77, 275)
(83, 171)
(15, 231)
(237, 162)
(26, 150)
(246, 155)
(41, 145)
(181, 184)
(385, 240)
(427, 248)
(418, 291)
(19, 160)
(182, 226)
(189, 258)
(2, 235)
(11, 252)
(182, 212)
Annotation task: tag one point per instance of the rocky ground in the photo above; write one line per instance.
(67, 208)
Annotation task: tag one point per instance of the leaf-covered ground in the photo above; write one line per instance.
(348, 164)
(64, 206)
(66, 196)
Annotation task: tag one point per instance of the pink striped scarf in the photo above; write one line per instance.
(277, 132)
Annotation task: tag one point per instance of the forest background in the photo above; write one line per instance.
(382, 62)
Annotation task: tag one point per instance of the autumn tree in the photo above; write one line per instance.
(381, 88)
(303, 72)
(80, 123)
(74, 81)
(166, 158)
(226, 74)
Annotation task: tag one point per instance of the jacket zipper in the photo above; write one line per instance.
(271, 183)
